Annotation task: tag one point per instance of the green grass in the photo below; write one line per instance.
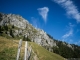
(44, 54)
(8, 49)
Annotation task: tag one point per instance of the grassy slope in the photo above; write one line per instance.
(44, 54)
(8, 49)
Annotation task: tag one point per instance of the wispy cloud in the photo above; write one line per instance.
(43, 12)
(70, 8)
(69, 33)
(35, 22)
(70, 41)
(77, 43)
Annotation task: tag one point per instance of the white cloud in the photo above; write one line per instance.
(35, 22)
(77, 43)
(70, 8)
(43, 12)
(70, 41)
(70, 32)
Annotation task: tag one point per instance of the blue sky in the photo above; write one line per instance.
(59, 18)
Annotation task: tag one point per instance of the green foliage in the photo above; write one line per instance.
(26, 39)
(11, 33)
(6, 27)
(8, 54)
(46, 41)
(12, 26)
(3, 29)
(56, 50)
(66, 51)
(0, 28)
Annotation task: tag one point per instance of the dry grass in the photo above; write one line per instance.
(8, 49)
(44, 54)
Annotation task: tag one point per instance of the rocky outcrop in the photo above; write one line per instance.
(15, 26)
(16, 20)
(21, 27)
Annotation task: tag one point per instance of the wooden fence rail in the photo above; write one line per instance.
(25, 54)
(19, 48)
(27, 49)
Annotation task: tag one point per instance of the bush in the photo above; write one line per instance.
(6, 27)
(12, 26)
(11, 33)
(26, 39)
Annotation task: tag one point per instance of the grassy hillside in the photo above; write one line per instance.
(44, 54)
(8, 49)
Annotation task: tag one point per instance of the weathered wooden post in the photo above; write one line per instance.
(19, 48)
(25, 55)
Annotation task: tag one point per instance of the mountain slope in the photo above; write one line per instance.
(8, 50)
(16, 27)
(44, 54)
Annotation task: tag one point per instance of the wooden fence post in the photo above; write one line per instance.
(19, 48)
(25, 55)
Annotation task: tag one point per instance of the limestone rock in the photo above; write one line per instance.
(23, 28)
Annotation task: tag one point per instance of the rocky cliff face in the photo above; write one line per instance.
(20, 27)
(16, 20)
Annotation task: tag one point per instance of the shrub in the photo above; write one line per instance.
(11, 33)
